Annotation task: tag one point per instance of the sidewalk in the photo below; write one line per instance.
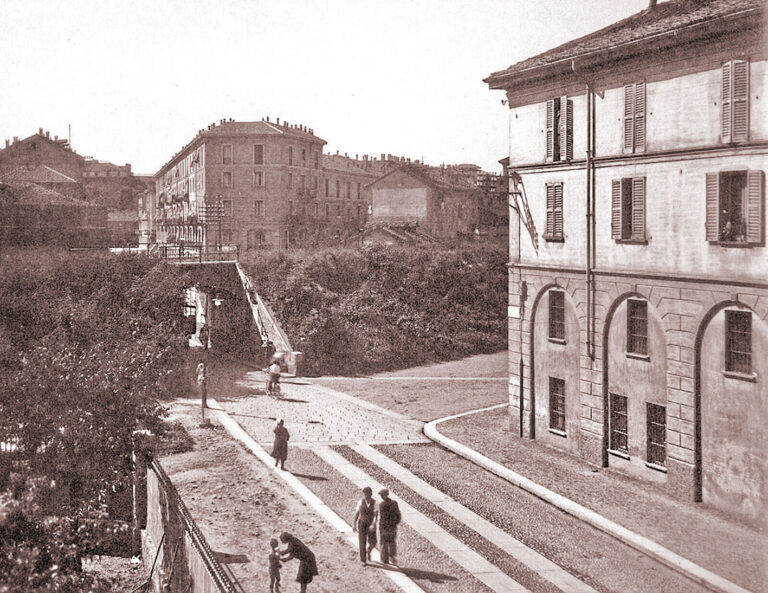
(698, 533)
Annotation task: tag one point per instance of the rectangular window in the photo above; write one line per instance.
(290, 179)
(738, 342)
(226, 179)
(358, 191)
(303, 156)
(557, 315)
(628, 209)
(227, 205)
(258, 154)
(258, 178)
(290, 207)
(618, 419)
(559, 129)
(290, 155)
(634, 117)
(557, 404)
(338, 188)
(317, 160)
(226, 154)
(637, 327)
(734, 207)
(258, 208)
(338, 210)
(327, 210)
(349, 189)
(735, 102)
(554, 230)
(327, 190)
(303, 182)
(656, 434)
(314, 182)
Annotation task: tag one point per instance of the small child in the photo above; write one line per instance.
(274, 567)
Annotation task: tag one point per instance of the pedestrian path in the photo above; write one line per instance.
(515, 548)
(236, 431)
(488, 574)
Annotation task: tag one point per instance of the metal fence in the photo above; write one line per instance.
(175, 551)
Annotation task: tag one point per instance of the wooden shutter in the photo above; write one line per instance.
(639, 135)
(726, 103)
(550, 129)
(550, 210)
(565, 129)
(629, 117)
(638, 208)
(616, 209)
(713, 210)
(558, 210)
(754, 215)
(740, 101)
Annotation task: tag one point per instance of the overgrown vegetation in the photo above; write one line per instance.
(89, 345)
(357, 312)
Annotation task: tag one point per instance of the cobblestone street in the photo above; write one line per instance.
(464, 529)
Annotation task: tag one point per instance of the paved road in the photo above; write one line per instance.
(506, 538)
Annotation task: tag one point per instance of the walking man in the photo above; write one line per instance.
(365, 524)
(389, 518)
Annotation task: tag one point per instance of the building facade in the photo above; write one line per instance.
(276, 189)
(448, 204)
(638, 311)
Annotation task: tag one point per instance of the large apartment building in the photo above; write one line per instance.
(638, 311)
(274, 185)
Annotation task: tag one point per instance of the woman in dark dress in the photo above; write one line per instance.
(280, 446)
(307, 564)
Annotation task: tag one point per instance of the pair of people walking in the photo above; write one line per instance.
(388, 517)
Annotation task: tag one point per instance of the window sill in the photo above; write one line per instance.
(636, 356)
(560, 433)
(553, 239)
(616, 453)
(752, 377)
(632, 241)
(557, 341)
(736, 244)
(655, 467)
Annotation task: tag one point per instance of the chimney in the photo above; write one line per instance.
(651, 4)
(7, 143)
(48, 135)
(278, 121)
(40, 131)
(267, 119)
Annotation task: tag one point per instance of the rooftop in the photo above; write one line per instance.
(674, 18)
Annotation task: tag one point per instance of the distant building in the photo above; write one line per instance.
(638, 309)
(52, 164)
(417, 202)
(34, 215)
(275, 187)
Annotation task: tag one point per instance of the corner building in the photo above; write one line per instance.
(275, 186)
(638, 307)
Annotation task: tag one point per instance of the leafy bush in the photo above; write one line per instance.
(355, 312)
(95, 346)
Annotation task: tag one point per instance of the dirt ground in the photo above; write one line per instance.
(239, 505)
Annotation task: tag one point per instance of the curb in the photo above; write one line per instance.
(693, 571)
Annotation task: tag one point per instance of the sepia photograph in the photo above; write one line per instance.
(397, 296)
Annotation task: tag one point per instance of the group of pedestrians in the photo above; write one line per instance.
(367, 515)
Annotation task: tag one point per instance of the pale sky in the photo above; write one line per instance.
(137, 79)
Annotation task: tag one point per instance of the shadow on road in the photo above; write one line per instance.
(417, 573)
(226, 558)
(310, 477)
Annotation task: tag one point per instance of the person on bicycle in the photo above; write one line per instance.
(274, 377)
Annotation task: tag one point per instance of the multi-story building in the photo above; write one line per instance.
(638, 331)
(275, 187)
(52, 164)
